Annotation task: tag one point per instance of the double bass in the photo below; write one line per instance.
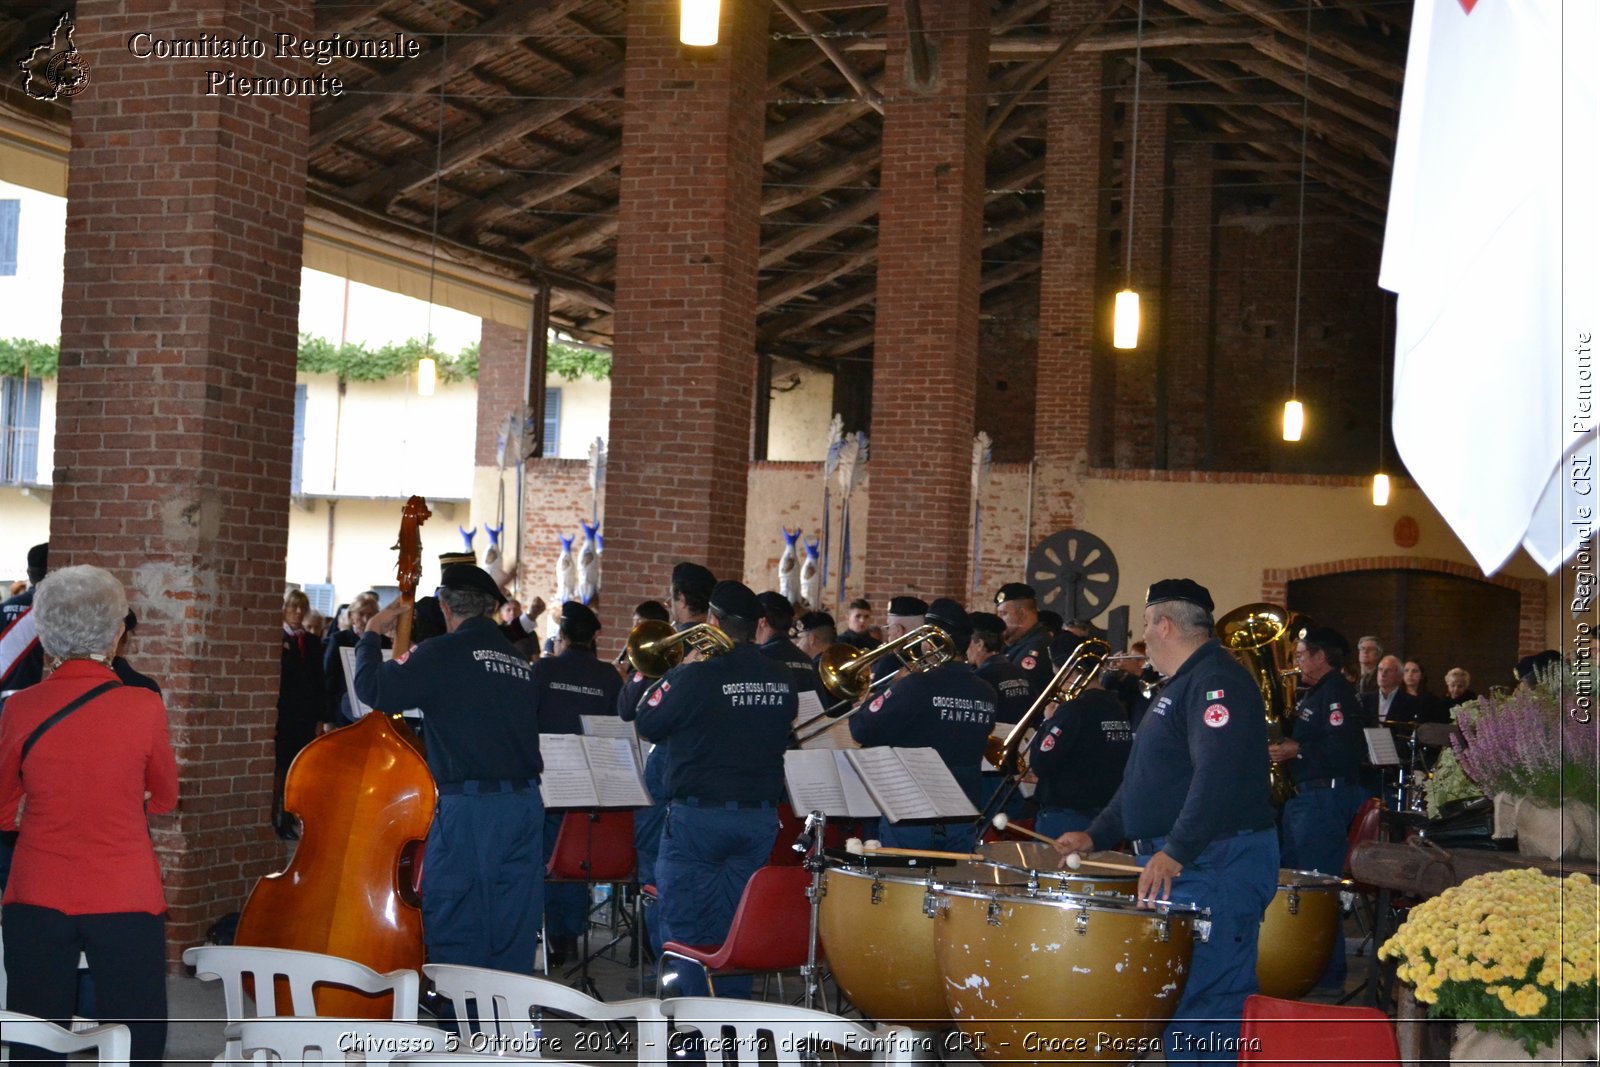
(365, 799)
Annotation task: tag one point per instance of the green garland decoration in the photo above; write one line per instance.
(20, 357)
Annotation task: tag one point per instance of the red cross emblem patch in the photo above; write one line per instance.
(1336, 717)
(1029, 662)
(1049, 742)
(878, 703)
(655, 698)
(1216, 716)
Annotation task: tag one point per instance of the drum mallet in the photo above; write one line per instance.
(856, 848)
(1074, 861)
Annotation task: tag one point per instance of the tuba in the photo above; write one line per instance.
(1262, 638)
(654, 647)
(846, 672)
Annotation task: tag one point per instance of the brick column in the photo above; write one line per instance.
(924, 362)
(502, 360)
(174, 426)
(684, 364)
(1190, 334)
(1074, 309)
(1137, 400)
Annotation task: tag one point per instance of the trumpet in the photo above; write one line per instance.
(1075, 675)
(654, 647)
(846, 672)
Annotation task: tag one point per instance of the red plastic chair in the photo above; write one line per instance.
(595, 848)
(770, 930)
(837, 832)
(1298, 1032)
(1363, 828)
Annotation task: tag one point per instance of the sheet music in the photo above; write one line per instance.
(821, 780)
(616, 772)
(891, 784)
(1002, 730)
(836, 735)
(1380, 747)
(358, 710)
(566, 781)
(946, 796)
(612, 726)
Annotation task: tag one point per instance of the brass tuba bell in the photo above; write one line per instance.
(1262, 638)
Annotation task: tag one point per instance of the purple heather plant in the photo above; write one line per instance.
(1531, 742)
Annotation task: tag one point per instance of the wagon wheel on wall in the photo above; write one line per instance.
(1074, 573)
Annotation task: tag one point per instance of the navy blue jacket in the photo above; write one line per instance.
(728, 720)
(1031, 652)
(948, 709)
(476, 692)
(788, 653)
(570, 685)
(1079, 752)
(1011, 685)
(1198, 768)
(1327, 727)
(25, 666)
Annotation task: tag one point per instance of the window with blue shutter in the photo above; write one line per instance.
(10, 221)
(20, 402)
(297, 465)
(552, 423)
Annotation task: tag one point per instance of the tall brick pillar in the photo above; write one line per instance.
(1140, 418)
(924, 378)
(502, 388)
(1190, 332)
(175, 421)
(1074, 309)
(684, 364)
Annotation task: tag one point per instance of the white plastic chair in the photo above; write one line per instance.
(482, 1058)
(310, 1039)
(303, 971)
(757, 1033)
(111, 1043)
(507, 1006)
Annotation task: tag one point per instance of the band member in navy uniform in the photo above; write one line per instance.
(1078, 753)
(1027, 640)
(815, 632)
(727, 718)
(1323, 757)
(1196, 804)
(689, 600)
(986, 652)
(906, 613)
(483, 883)
(772, 637)
(946, 708)
(567, 686)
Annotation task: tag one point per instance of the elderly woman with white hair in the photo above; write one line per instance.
(83, 759)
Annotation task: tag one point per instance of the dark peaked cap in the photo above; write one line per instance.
(1180, 589)
(467, 578)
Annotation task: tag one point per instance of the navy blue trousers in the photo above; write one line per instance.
(483, 881)
(1236, 877)
(707, 856)
(1053, 822)
(1315, 835)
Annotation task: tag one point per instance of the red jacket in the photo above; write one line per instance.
(85, 846)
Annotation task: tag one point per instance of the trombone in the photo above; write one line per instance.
(846, 672)
(655, 647)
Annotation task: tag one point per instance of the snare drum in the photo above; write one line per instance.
(1297, 936)
(877, 930)
(1060, 976)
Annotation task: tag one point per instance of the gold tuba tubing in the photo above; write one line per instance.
(655, 647)
(1262, 638)
(1075, 675)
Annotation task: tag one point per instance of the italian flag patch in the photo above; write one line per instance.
(1214, 694)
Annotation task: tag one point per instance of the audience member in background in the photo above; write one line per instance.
(1458, 687)
(1368, 652)
(337, 695)
(85, 876)
(857, 632)
(1390, 703)
(119, 663)
(510, 611)
(301, 701)
(17, 586)
(1430, 708)
(316, 624)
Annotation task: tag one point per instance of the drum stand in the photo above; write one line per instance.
(810, 842)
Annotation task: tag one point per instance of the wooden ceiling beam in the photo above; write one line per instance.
(848, 171)
(806, 234)
(523, 193)
(343, 116)
(342, 16)
(1037, 74)
(576, 238)
(796, 283)
(795, 133)
(1358, 53)
(806, 25)
(1036, 45)
(387, 185)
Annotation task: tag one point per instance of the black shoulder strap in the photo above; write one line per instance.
(40, 730)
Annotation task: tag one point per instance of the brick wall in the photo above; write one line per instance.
(924, 365)
(502, 366)
(556, 495)
(174, 426)
(687, 241)
(1139, 395)
(1008, 349)
(1187, 285)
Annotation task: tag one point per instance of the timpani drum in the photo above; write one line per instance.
(876, 927)
(1008, 863)
(1061, 976)
(1297, 935)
